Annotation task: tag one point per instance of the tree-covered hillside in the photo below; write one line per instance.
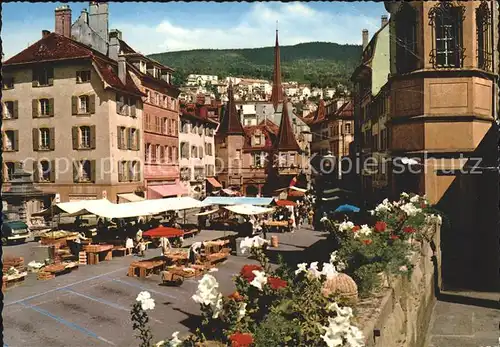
(319, 63)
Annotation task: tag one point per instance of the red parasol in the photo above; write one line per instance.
(163, 232)
(285, 203)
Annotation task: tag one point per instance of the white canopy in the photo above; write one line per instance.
(206, 213)
(248, 209)
(105, 208)
(299, 189)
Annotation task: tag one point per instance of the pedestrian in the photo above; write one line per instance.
(78, 243)
(138, 235)
(142, 248)
(129, 245)
(165, 245)
(195, 252)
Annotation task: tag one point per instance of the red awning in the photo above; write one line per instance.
(163, 232)
(285, 203)
(165, 190)
(295, 193)
(214, 182)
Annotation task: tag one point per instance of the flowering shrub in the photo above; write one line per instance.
(140, 318)
(387, 247)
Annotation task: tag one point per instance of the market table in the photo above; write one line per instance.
(280, 225)
(95, 252)
(146, 267)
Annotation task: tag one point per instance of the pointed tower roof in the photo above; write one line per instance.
(286, 137)
(321, 112)
(277, 91)
(230, 123)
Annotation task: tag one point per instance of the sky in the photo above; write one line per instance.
(151, 27)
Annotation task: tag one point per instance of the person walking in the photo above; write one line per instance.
(165, 245)
(142, 248)
(129, 245)
(195, 252)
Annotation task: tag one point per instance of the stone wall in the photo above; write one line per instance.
(403, 315)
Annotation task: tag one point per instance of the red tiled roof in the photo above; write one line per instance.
(321, 112)
(230, 123)
(55, 47)
(286, 137)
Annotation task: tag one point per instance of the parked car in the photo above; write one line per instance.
(14, 231)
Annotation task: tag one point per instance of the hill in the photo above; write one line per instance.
(318, 63)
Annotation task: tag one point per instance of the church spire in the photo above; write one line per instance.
(277, 92)
(230, 123)
(286, 137)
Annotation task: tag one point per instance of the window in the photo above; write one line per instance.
(10, 168)
(200, 152)
(148, 95)
(483, 28)
(85, 137)
(170, 154)
(175, 154)
(158, 125)
(158, 99)
(238, 154)
(45, 171)
(194, 128)
(135, 174)
(8, 83)
(257, 159)
(44, 107)
(45, 138)
(258, 140)
(133, 139)
(162, 154)
(447, 21)
(208, 150)
(147, 152)
(82, 76)
(10, 140)
(347, 128)
(85, 171)
(155, 153)
(43, 76)
(406, 38)
(83, 104)
(194, 152)
(166, 128)
(184, 150)
(122, 171)
(9, 110)
(122, 135)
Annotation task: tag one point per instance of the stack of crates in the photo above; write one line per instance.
(82, 258)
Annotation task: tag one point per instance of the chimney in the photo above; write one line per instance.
(384, 20)
(114, 44)
(63, 20)
(45, 33)
(365, 38)
(99, 18)
(85, 16)
(122, 69)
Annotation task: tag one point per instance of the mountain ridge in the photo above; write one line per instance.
(322, 64)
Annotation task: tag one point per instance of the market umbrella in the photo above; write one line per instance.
(163, 232)
(347, 208)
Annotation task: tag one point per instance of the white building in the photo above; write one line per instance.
(201, 80)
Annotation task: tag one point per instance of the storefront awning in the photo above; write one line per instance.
(248, 209)
(166, 190)
(214, 182)
(216, 200)
(130, 197)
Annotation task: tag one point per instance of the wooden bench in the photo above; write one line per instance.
(122, 251)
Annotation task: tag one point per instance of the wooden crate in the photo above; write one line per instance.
(43, 276)
(82, 258)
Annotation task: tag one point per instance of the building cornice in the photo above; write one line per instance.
(444, 73)
(439, 119)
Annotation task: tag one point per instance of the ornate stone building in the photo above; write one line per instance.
(438, 105)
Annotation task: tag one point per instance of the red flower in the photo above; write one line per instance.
(236, 296)
(367, 242)
(394, 237)
(422, 204)
(380, 226)
(247, 272)
(241, 340)
(409, 230)
(355, 228)
(276, 283)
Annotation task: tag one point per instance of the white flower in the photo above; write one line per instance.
(329, 270)
(208, 294)
(333, 257)
(339, 329)
(403, 268)
(313, 270)
(405, 195)
(384, 207)
(242, 310)
(323, 219)
(372, 212)
(147, 302)
(346, 226)
(341, 266)
(252, 242)
(355, 337)
(214, 269)
(365, 230)
(259, 280)
(301, 268)
(410, 209)
(175, 341)
(333, 334)
(414, 199)
(160, 344)
(217, 308)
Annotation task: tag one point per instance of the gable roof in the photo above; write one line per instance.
(230, 123)
(286, 137)
(267, 128)
(55, 47)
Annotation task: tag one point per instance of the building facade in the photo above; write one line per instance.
(197, 151)
(67, 99)
(439, 107)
